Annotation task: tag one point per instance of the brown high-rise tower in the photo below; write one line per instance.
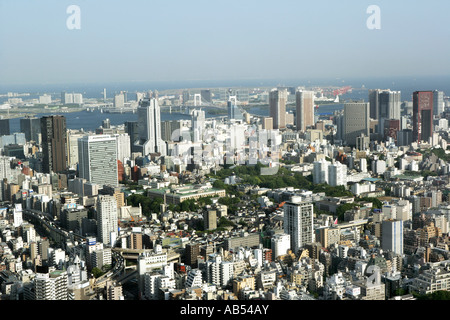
(277, 107)
(422, 115)
(53, 131)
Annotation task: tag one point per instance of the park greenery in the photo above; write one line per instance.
(97, 272)
(439, 152)
(150, 205)
(251, 175)
(437, 295)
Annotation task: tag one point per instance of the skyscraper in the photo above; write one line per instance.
(233, 110)
(17, 215)
(373, 103)
(72, 147)
(320, 171)
(66, 98)
(277, 106)
(422, 115)
(438, 102)
(97, 156)
(305, 109)
(337, 174)
(389, 107)
(298, 223)
(171, 130)
(392, 236)
(206, 96)
(77, 98)
(4, 127)
(31, 126)
(149, 126)
(119, 100)
(123, 146)
(5, 168)
(106, 219)
(210, 219)
(198, 124)
(355, 122)
(131, 127)
(185, 96)
(53, 131)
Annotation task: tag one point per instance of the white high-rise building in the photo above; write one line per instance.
(78, 98)
(107, 225)
(72, 147)
(337, 174)
(66, 98)
(102, 257)
(218, 272)
(51, 286)
(5, 168)
(150, 285)
(119, 100)
(443, 124)
(148, 262)
(198, 124)
(298, 223)
(438, 102)
(149, 124)
(97, 156)
(392, 236)
(194, 278)
(280, 244)
(123, 146)
(378, 166)
(320, 171)
(18, 215)
(153, 282)
(363, 165)
(45, 99)
(259, 256)
(58, 257)
(29, 233)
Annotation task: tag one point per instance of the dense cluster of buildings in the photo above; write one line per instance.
(71, 229)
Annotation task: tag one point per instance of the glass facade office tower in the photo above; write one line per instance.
(97, 156)
(355, 122)
(31, 126)
(438, 102)
(392, 236)
(4, 127)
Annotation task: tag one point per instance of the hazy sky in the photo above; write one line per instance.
(146, 40)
